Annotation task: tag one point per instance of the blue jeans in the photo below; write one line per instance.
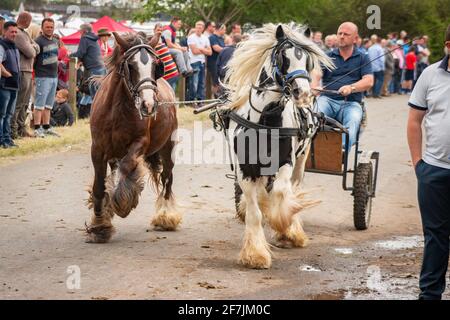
(45, 93)
(349, 113)
(379, 78)
(173, 83)
(8, 100)
(95, 72)
(197, 82)
(433, 190)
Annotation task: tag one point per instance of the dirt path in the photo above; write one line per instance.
(42, 220)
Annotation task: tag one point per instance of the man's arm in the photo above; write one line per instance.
(25, 47)
(362, 85)
(5, 73)
(81, 50)
(414, 133)
(217, 48)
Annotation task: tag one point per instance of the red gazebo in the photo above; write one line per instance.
(104, 22)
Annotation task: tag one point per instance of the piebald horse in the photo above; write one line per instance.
(269, 84)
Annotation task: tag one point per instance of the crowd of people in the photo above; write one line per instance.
(35, 71)
(403, 61)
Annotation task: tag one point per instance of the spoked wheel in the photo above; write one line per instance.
(363, 189)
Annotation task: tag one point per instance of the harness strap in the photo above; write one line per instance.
(282, 132)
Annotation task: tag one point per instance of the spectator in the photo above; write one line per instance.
(330, 42)
(217, 42)
(210, 28)
(171, 74)
(28, 50)
(105, 49)
(9, 81)
(90, 54)
(225, 56)
(179, 53)
(62, 114)
(366, 44)
(46, 79)
(63, 65)
(399, 65)
(429, 101)
(317, 39)
(2, 22)
(199, 48)
(236, 29)
(345, 107)
(376, 55)
(389, 67)
(410, 66)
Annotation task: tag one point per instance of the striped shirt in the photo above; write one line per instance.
(170, 68)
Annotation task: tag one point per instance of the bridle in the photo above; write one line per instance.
(284, 81)
(134, 90)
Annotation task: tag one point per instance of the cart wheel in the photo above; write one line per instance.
(237, 200)
(362, 206)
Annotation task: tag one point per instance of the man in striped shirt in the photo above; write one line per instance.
(171, 73)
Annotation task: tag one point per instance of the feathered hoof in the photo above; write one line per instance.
(255, 257)
(99, 233)
(167, 221)
(292, 239)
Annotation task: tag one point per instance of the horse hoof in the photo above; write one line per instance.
(284, 244)
(256, 260)
(166, 222)
(99, 234)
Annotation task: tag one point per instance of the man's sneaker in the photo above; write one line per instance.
(11, 144)
(51, 132)
(39, 133)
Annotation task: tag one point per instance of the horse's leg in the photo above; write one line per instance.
(167, 216)
(284, 205)
(130, 182)
(255, 252)
(300, 164)
(100, 229)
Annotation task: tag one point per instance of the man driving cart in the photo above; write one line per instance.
(344, 89)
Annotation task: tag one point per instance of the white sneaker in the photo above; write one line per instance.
(39, 133)
(51, 132)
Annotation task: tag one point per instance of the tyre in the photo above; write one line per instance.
(362, 190)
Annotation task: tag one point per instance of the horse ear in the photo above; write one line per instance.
(307, 32)
(122, 43)
(280, 33)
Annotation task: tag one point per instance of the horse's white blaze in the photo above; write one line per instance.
(145, 71)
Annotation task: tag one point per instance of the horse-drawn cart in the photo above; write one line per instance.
(328, 157)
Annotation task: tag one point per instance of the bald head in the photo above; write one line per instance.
(347, 35)
(24, 20)
(350, 26)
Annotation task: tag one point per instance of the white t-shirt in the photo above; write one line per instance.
(199, 42)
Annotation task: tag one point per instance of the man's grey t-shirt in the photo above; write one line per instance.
(46, 63)
(432, 94)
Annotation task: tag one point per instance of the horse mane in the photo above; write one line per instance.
(251, 55)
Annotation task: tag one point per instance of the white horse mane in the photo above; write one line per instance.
(250, 56)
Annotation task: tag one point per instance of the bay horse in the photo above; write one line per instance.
(268, 78)
(130, 143)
